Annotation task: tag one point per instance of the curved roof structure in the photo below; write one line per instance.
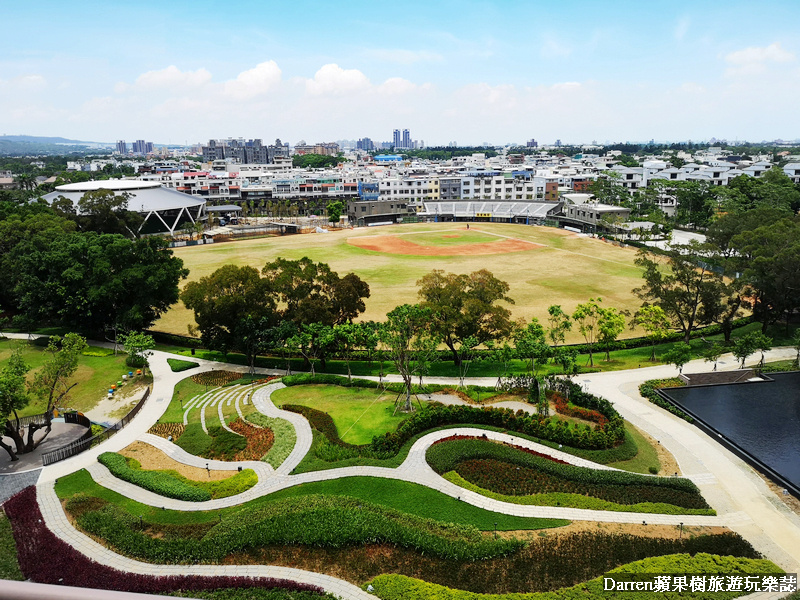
(164, 210)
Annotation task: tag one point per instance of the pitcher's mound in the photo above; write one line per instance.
(396, 245)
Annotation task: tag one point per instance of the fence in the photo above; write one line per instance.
(88, 440)
(31, 420)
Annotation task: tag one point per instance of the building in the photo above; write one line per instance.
(365, 144)
(407, 139)
(397, 142)
(122, 147)
(142, 147)
(164, 210)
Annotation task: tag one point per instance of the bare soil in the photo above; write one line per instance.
(391, 244)
(669, 465)
(153, 459)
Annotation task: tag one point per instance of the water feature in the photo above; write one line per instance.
(761, 419)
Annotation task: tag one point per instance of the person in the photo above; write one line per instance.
(467, 225)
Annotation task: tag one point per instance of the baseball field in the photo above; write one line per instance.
(543, 265)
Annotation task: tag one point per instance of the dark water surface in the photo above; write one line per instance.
(762, 418)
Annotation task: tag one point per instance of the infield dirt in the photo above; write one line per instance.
(542, 265)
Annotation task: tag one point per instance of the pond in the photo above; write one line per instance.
(760, 419)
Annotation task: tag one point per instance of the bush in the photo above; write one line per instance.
(155, 481)
(648, 390)
(285, 437)
(46, 558)
(399, 587)
(178, 365)
(490, 466)
(97, 351)
(137, 362)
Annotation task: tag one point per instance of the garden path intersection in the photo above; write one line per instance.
(742, 501)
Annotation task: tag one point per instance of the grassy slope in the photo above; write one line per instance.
(359, 414)
(94, 376)
(408, 497)
(9, 567)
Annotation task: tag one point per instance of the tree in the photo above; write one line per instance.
(53, 381)
(224, 299)
(348, 337)
(13, 397)
(98, 283)
(405, 331)
(696, 202)
(678, 355)
(587, 316)
(796, 346)
(610, 325)
(313, 341)
(680, 289)
(654, 321)
(465, 307)
(139, 347)
(309, 292)
(255, 335)
(530, 344)
(560, 323)
(712, 353)
(335, 210)
(104, 211)
(744, 346)
(567, 358)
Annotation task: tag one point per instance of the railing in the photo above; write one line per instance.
(88, 440)
(30, 420)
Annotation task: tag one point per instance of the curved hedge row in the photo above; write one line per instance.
(609, 485)
(173, 485)
(400, 587)
(648, 390)
(320, 521)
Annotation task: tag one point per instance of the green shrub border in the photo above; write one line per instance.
(177, 365)
(649, 389)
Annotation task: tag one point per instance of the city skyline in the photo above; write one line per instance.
(493, 72)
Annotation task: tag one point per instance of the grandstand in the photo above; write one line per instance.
(488, 210)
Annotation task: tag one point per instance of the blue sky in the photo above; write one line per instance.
(471, 72)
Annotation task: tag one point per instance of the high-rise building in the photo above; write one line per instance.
(122, 147)
(406, 139)
(398, 143)
(532, 143)
(142, 147)
(365, 144)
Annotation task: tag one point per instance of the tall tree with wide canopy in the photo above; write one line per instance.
(680, 286)
(13, 397)
(464, 307)
(309, 292)
(224, 300)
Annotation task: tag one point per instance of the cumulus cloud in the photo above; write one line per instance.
(254, 82)
(332, 80)
(756, 60)
(28, 82)
(395, 86)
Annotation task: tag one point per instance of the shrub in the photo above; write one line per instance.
(216, 378)
(137, 362)
(155, 481)
(649, 390)
(165, 430)
(97, 351)
(491, 466)
(45, 558)
(194, 440)
(177, 365)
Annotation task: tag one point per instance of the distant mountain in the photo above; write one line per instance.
(42, 140)
(25, 145)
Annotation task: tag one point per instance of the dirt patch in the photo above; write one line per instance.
(392, 244)
(452, 236)
(637, 529)
(152, 459)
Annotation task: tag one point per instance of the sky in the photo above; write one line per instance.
(449, 71)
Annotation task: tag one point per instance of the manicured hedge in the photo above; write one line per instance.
(46, 558)
(178, 365)
(316, 521)
(648, 390)
(399, 587)
(492, 466)
(154, 481)
(253, 594)
(285, 437)
(172, 484)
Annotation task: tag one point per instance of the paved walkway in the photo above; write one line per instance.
(742, 500)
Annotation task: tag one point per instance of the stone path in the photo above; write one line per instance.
(742, 500)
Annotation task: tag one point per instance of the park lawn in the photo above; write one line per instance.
(645, 458)
(185, 390)
(94, 376)
(359, 414)
(410, 498)
(451, 238)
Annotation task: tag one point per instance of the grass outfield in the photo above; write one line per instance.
(568, 270)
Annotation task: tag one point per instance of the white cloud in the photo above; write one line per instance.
(254, 82)
(173, 77)
(396, 86)
(332, 80)
(756, 55)
(29, 82)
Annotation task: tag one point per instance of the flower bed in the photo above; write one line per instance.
(216, 378)
(283, 432)
(45, 558)
(259, 440)
(564, 407)
(167, 430)
(506, 470)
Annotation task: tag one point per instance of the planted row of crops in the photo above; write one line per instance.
(313, 521)
(172, 484)
(508, 470)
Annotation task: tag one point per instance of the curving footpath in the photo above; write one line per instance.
(729, 485)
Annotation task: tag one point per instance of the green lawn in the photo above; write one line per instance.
(451, 238)
(359, 414)
(646, 457)
(408, 497)
(94, 376)
(9, 567)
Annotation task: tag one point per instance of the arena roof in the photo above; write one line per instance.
(164, 209)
